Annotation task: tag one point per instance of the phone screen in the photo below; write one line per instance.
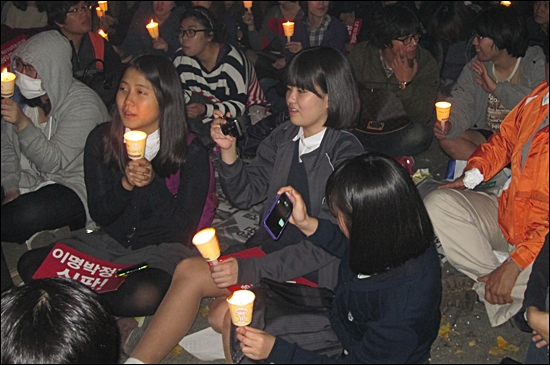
(278, 216)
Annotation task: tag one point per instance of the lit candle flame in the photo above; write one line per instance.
(103, 34)
(506, 3)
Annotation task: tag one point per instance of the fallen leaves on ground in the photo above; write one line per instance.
(444, 331)
(502, 345)
(204, 311)
(176, 351)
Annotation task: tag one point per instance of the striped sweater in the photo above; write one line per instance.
(232, 84)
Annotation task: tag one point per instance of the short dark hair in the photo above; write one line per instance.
(22, 5)
(57, 321)
(382, 210)
(326, 70)
(161, 73)
(505, 27)
(57, 11)
(452, 21)
(392, 22)
(209, 21)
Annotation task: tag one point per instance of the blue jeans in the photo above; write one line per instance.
(534, 354)
(411, 140)
(51, 207)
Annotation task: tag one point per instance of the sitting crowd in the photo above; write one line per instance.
(355, 87)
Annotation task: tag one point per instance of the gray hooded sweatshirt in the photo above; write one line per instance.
(55, 153)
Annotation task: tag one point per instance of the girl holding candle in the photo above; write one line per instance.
(323, 102)
(138, 40)
(386, 303)
(150, 208)
(215, 75)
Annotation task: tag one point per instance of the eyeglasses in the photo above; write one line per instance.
(407, 40)
(20, 66)
(190, 33)
(79, 10)
(477, 36)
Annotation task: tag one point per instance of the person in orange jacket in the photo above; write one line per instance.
(494, 240)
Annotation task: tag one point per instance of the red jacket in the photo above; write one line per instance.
(523, 207)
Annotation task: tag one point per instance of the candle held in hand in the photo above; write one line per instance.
(288, 28)
(153, 29)
(8, 83)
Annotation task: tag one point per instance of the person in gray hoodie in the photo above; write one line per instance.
(43, 142)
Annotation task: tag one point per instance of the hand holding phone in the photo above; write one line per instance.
(278, 215)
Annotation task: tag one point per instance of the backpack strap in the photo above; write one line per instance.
(98, 43)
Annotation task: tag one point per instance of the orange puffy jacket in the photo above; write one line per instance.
(523, 207)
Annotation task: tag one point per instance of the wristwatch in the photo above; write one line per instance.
(402, 84)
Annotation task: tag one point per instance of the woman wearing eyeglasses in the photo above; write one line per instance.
(214, 74)
(138, 41)
(393, 60)
(504, 70)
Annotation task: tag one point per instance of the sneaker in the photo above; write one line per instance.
(45, 238)
(131, 331)
(458, 293)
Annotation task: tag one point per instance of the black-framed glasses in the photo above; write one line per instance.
(190, 33)
(20, 66)
(407, 40)
(79, 10)
(477, 36)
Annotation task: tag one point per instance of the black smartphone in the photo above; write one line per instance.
(278, 215)
(232, 127)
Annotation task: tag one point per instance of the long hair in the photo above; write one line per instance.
(57, 321)
(387, 221)
(324, 70)
(161, 73)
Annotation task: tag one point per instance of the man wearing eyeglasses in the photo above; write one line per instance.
(393, 60)
(74, 20)
(42, 143)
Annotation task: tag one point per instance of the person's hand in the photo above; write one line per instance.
(299, 217)
(279, 64)
(10, 195)
(294, 47)
(538, 321)
(442, 129)
(139, 173)
(225, 273)
(348, 18)
(248, 19)
(483, 80)
(227, 144)
(499, 283)
(12, 113)
(457, 184)
(159, 43)
(401, 67)
(108, 23)
(195, 110)
(255, 344)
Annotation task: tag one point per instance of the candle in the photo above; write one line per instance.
(99, 12)
(103, 34)
(8, 83)
(135, 144)
(288, 28)
(103, 5)
(241, 307)
(207, 243)
(153, 29)
(442, 111)
(506, 3)
(247, 4)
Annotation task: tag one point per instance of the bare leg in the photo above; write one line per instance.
(462, 147)
(177, 312)
(226, 337)
(218, 310)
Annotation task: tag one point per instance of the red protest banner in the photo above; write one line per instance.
(9, 47)
(354, 30)
(67, 262)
